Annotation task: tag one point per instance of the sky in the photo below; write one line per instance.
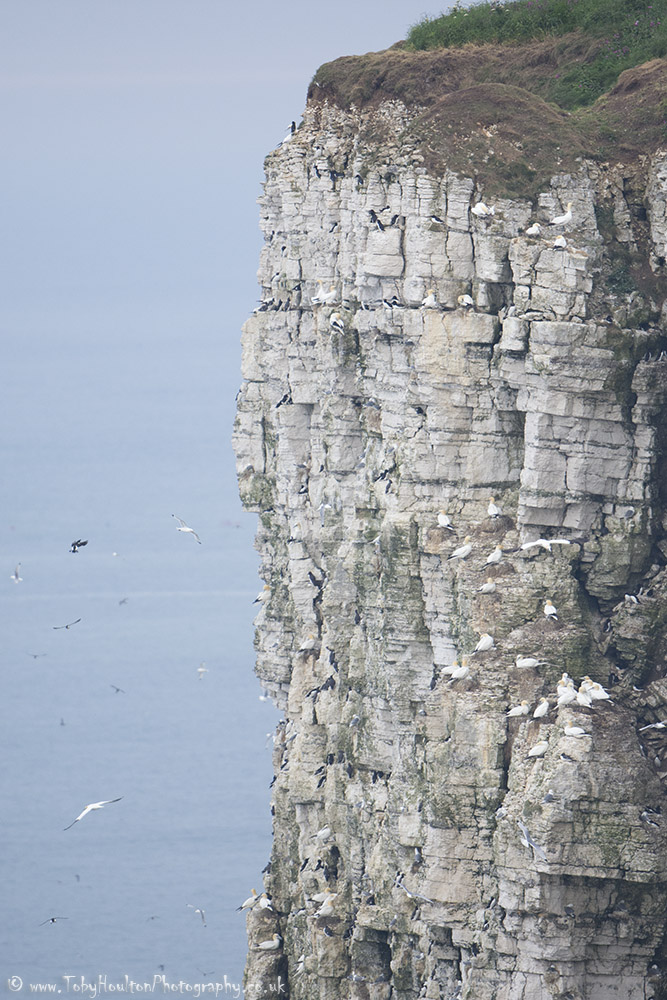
(134, 135)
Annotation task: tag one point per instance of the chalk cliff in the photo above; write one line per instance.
(398, 788)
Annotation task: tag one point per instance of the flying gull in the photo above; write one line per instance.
(199, 911)
(52, 920)
(182, 526)
(68, 626)
(89, 808)
(528, 841)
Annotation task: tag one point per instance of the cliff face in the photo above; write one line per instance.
(398, 788)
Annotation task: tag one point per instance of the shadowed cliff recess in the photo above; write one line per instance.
(452, 428)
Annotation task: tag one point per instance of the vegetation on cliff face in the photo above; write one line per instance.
(510, 102)
(620, 34)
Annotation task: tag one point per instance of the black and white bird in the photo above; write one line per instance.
(79, 544)
(69, 625)
(52, 920)
(16, 577)
(182, 526)
(89, 808)
(199, 911)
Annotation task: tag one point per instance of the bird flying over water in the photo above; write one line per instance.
(68, 626)
(199, 911)
(89, 808)
(182, 526)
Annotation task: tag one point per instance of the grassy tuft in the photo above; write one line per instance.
(623, 34)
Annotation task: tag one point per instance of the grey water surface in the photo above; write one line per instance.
(108, 432)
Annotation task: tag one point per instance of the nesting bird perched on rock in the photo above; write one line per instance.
(563, 220)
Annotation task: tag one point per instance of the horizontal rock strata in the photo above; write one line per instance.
(526, 377)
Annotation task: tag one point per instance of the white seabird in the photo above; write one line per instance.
(201, 670)
(248, 903)
(271, 945)
(182, 526)
(482, 211)
(542, 708)
(485, 642)
(89, 808)
(493, 510)
(263, 595)
(539, 749)
(528, 841)
(199, 911)
(521, 709)
(563, 220)
(550, 611)
(560, 243)
(15, 575)
(324, 298)
(545, 543)
(430, 302)
(583, 697)
(566, 695)
(336, 322)
(598, 693)
(463, 550)
(487, 588)
(465, 301)
(495, 557)
(460, 672)
(534, 230)
(443, 521)
(575, 731)
(452, 668)
(529, 661)
(326, 909)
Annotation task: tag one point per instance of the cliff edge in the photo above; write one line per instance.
(414, 356)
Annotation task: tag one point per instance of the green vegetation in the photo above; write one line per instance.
(621, 34)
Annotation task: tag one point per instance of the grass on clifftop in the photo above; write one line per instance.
(623, 34)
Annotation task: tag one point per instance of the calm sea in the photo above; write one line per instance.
(109, 429)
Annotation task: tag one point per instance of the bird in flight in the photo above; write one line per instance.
(199, 911)
(117, 690)
(16, 577)
(89, 808)
(182, 526)
(52, 920)
(70, 624)
(79, 544)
